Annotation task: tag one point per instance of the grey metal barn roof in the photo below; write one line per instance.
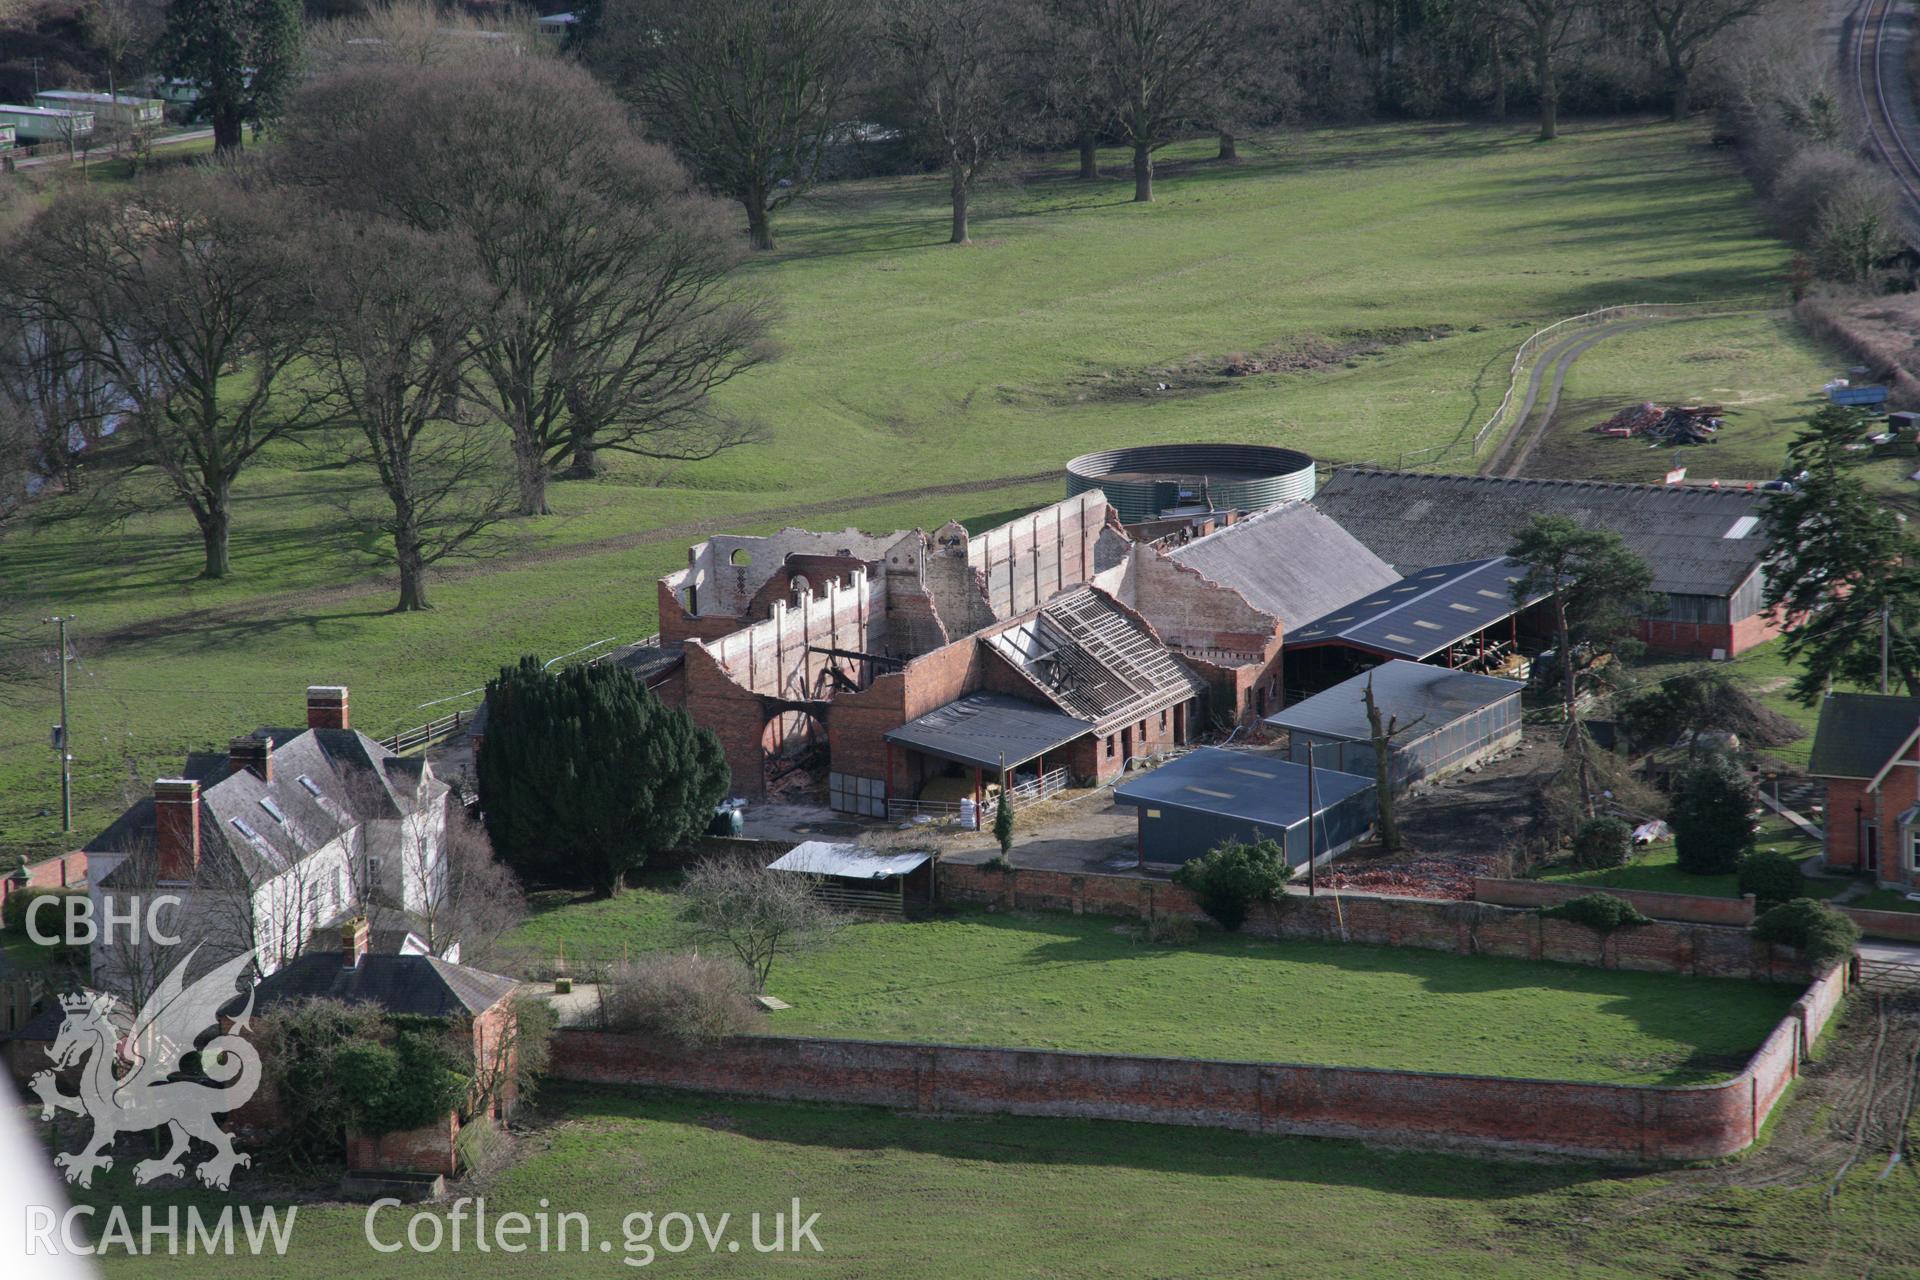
(1236, 784)
(849, 861)
(1859, 732)
(986, 729)
(1423, 613)
(1696, 541)
(1407, 690)
(1290, 562)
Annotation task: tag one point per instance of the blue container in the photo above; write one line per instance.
(1858, 395)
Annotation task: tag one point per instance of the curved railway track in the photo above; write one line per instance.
(1874, 58)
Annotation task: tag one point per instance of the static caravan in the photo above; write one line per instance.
(121, 109)
(46, 124)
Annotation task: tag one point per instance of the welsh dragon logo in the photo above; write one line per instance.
(125, 1084)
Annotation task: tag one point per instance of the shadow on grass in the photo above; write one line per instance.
(1085, 1144)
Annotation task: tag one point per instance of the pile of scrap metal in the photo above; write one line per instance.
(1666, 423)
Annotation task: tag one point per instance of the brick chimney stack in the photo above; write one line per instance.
(250, 752)
(176, 827)
(355, 937)
(327, 706)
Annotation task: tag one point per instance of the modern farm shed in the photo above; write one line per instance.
(1193, 804)
(1449, 720)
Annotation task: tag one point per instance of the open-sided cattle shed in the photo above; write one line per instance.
(1447, 720)
(1208, 796)
(859, 880)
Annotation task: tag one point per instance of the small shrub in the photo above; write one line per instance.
(999, 862)
(1232, 878)
(1712, 829)
(684, 997)
(1601, 912)
(1602, 843)
(1814, 929)
(14, 918)
(1772, 878)
(1172, 931)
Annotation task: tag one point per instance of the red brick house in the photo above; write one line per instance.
(1867, 749)
(419, 986)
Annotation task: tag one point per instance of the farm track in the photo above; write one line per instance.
(286, 602)
(1874, 45)
(1555, 363)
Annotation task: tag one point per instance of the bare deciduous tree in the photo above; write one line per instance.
(1548, 29)
(757, 914)
(186, 300)
(394, 309)
(1164, 62)
(749, 92)
(613, 310)
(1686, 28)
(956, 66)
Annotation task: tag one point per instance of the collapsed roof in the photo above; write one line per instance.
(1094, 662)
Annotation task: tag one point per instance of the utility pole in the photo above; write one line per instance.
(1313, 888)
(1886, 620)
(62, 737)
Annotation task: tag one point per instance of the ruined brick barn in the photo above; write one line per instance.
(905, 656)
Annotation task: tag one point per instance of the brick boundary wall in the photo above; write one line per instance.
(1692, 907)
(1433, 924)
(1901, 925)
(1627, 1123)
(67, 870)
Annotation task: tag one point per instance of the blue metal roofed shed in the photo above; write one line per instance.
(1208, 796)
(1456, 718)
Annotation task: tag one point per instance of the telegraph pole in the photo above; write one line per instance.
(1886, 621)
(62, 737)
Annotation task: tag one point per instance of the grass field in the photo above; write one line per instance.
(900, 1196)
(1763, 368)
(1654, 869)
(1082, 982)
(912, 366)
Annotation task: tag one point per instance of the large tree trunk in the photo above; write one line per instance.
(228, 130)
(1549, 92)
(413, 571)
(1089, 156)
(215, 526)
(759, 227)
(959, 205)
(1499, 78)
(1229, 148)
(530, 475)
(1681, 89)
(1142, 173)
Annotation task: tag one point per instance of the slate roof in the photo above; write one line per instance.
(1095, 662)
(325, 783)
(987, 729)
(1697, 541)
(1291, 562)
(1425, 612)
(1859, 732)
(1407, 690)
(422, 985)
(1239, 785)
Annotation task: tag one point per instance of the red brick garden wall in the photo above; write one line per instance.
(1467, 928)
(1693, 907)
(1640, 1123)
(50, 873)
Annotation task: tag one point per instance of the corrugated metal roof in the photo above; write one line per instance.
(1406, 690)
(988, 729)
(1423, 613)
(1859, 732)
(1239, 785)
(1290, 562)
(1696, 541)
(851, 861)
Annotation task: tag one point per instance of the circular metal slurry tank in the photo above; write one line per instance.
(1147, 480)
